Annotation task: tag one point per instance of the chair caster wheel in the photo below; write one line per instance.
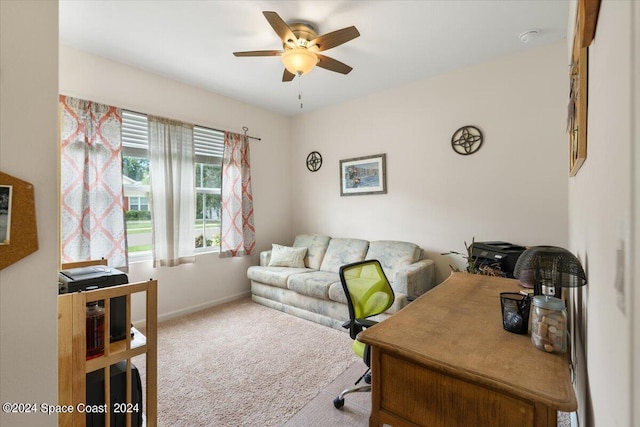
(367, 378)
(338, 402)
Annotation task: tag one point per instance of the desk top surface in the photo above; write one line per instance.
(456, 328)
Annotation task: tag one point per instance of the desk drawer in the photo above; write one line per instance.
(430, 398)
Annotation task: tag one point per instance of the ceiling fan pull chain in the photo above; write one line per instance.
(300, 89)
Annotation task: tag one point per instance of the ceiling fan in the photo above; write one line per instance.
(301, 44)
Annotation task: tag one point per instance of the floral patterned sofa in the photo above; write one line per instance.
(303, 279)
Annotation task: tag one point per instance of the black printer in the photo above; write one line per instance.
(100, 276)
(501, 254)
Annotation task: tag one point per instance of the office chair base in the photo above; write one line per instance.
(338, 402)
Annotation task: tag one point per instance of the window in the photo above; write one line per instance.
(138, 203)
(135, 180)
(209, 146)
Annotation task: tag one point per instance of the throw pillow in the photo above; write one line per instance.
(285, 256)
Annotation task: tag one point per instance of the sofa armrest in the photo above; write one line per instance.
(414, 279)
(265, 257)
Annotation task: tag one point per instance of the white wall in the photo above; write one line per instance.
(513, 189)
(211, 279)
(601, 217)
(635, 220)
(28, 125)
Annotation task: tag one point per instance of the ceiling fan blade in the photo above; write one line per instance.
(287, 76)
(333, 64)
(259, 53)
(335, 38)
(280, 27)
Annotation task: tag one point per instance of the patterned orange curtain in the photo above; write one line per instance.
(237, 231)
(93, 224)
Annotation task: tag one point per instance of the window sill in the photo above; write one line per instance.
(146, 256)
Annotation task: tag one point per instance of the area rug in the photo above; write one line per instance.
(243, 364)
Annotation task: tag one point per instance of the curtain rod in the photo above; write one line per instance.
(246, 129)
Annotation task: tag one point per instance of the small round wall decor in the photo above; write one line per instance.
(314, 161)
(466, 140)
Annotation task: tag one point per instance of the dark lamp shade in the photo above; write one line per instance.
(549, 265)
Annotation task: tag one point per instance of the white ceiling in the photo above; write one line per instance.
(400, 41)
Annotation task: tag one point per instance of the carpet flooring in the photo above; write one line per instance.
(320, 412)
(243, 364)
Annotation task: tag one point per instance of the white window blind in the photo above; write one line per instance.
(135, 130)
(207, 142)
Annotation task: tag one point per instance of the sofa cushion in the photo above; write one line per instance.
(343, 251)
(316, 245)
(314, 284)
(285, 256)
(393, 255)
(336, 293)
(275, 276)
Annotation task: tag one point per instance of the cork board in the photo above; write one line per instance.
(21, 231)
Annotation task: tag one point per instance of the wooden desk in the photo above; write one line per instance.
(445, 360)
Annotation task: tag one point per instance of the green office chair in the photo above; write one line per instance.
(368, 294)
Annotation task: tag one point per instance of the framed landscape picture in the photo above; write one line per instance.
(363, 175)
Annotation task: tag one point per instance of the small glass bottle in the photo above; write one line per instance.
(95, 330)
(549, 324)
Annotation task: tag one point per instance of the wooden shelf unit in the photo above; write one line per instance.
(72, 343)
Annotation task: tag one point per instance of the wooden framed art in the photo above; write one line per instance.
(584, 32)
(577, 122)
(363, 175)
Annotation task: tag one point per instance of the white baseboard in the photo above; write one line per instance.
(188, 310)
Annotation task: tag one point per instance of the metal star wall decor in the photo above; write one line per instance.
(314, 161)
(466, 140)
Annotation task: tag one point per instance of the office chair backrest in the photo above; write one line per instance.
(367, 289)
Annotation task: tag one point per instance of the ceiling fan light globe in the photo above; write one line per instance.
(299, 61)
